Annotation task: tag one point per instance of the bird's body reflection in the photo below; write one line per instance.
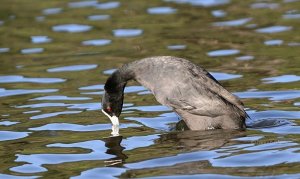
(200, 140)
(181, 139)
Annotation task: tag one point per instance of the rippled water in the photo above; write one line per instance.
(56, 55)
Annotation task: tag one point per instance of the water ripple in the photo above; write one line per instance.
(62, 98)
(37, 160)
(97, 42)
(273, 145)
(22, 79)
(282, 79)
(73, 68)
(232, 23)
(256, 159)
(5, 176)
(173, 160)
(161, 122)
(7, 123)
(42, 116)
(218, 13)
(107, 172)
(273, 42)
(161, 10)
(204, 3)
(98, 17)
(127, 32)
(274, 29)
(32, 50)
(225, 52)
(81, 4)
(245, 58)
(12, 135)
(51, 11)
(272, 95)
(71, 28)
(28, 168)
(108, 5)
(4, 50)
(176, 47)
(224, 76)
(13, 92)
(264, 5)
(40, 39)
(79, 128)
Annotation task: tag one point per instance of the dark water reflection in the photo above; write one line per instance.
(55, 57)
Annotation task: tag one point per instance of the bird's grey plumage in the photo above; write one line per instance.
(189, 90)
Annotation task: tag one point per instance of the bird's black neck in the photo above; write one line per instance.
(116, 83)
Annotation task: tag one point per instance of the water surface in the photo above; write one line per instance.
(56, 56)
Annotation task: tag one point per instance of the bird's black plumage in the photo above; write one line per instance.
(188, 89)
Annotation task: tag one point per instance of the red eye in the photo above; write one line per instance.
(108, 109)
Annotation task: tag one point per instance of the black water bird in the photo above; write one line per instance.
(191, 91)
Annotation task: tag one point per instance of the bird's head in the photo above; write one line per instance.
(112, 104)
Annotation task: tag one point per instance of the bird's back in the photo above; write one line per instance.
(190, 90)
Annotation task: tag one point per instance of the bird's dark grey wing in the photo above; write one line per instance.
(202, 95)
(199, 100)
(211, 84)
